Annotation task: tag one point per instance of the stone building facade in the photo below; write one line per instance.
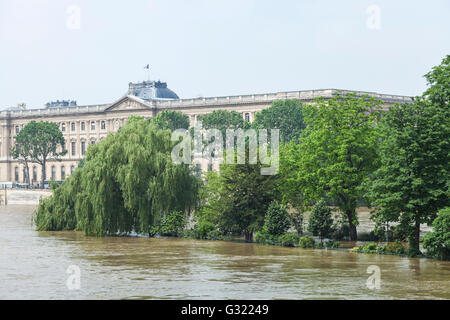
(89, 124)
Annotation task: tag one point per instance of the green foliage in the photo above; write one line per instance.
(171, 120)
(395, 247)
(413, 181)
(128, 184)
(437, 242)
(438, 80)
(39, 142)
(223, 120)
(389, 248)
(285, 115)
(296, 220)
(172, 224)
(54, 185)
(320, 221)
(276, 221)
(289, 240)
(240, 199)
(336, 152)
(306, 242)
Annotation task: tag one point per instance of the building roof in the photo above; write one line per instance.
(152, 90)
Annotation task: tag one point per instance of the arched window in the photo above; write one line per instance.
(247, 117)
(53, 173)
(63, 127)
(63, 173)
(34, 173)
(83, 148)
(72, 126)
(74, 147)
(103, 125)
(83, 126)
(17, 129)
(16, 174)
(92, 125)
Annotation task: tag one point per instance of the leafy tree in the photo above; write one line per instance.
(438, 80)
(412, 183)
(244, 198)
(337, 151)
(276, 221)
(40, 141)
(437, 242)
(320, 221)
(171, 120)
(21, 151)
(128, 183)
(223, 120)
(286, 115)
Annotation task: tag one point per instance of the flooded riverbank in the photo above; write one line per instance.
(33, 265)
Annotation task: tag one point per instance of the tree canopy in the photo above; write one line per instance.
(127, 184)
(335, 153)
(40, 142)
(413, 181)
(286, 115)
(171, 120)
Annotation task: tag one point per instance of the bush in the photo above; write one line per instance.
(264, 237)
(306, 242)
(321, 221)
(172, 224)
(395, 247)
(437, 242)
(372, 247)
(276, 221)
(341, 231)
(289, 239)
(369, 236)
(332, 244)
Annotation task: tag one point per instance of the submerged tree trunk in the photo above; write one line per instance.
(248, 236)
(352, 228)
(414, 240)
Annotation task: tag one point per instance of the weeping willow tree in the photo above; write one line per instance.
(127, 184)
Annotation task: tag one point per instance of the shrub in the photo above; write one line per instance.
(332, 244)
(289, 239)
(276, 221)
(437, 242)
(173, 223)
(306, 242)
(341, 231)
(395, 247)
(321, 221)
(369, 236)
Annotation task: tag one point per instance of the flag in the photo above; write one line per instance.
(147, 67)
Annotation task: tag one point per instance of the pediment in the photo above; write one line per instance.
(129, 103)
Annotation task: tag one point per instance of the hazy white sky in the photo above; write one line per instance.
(216, 47)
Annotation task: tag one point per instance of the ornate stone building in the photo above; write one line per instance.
(86, 125)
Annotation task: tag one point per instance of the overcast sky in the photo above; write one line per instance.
(90, 50)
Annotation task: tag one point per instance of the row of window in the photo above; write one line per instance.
(83, 126)
(73, 147)
(72, 126)
(34, 173)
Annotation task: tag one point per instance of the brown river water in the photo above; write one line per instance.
(33, 265)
